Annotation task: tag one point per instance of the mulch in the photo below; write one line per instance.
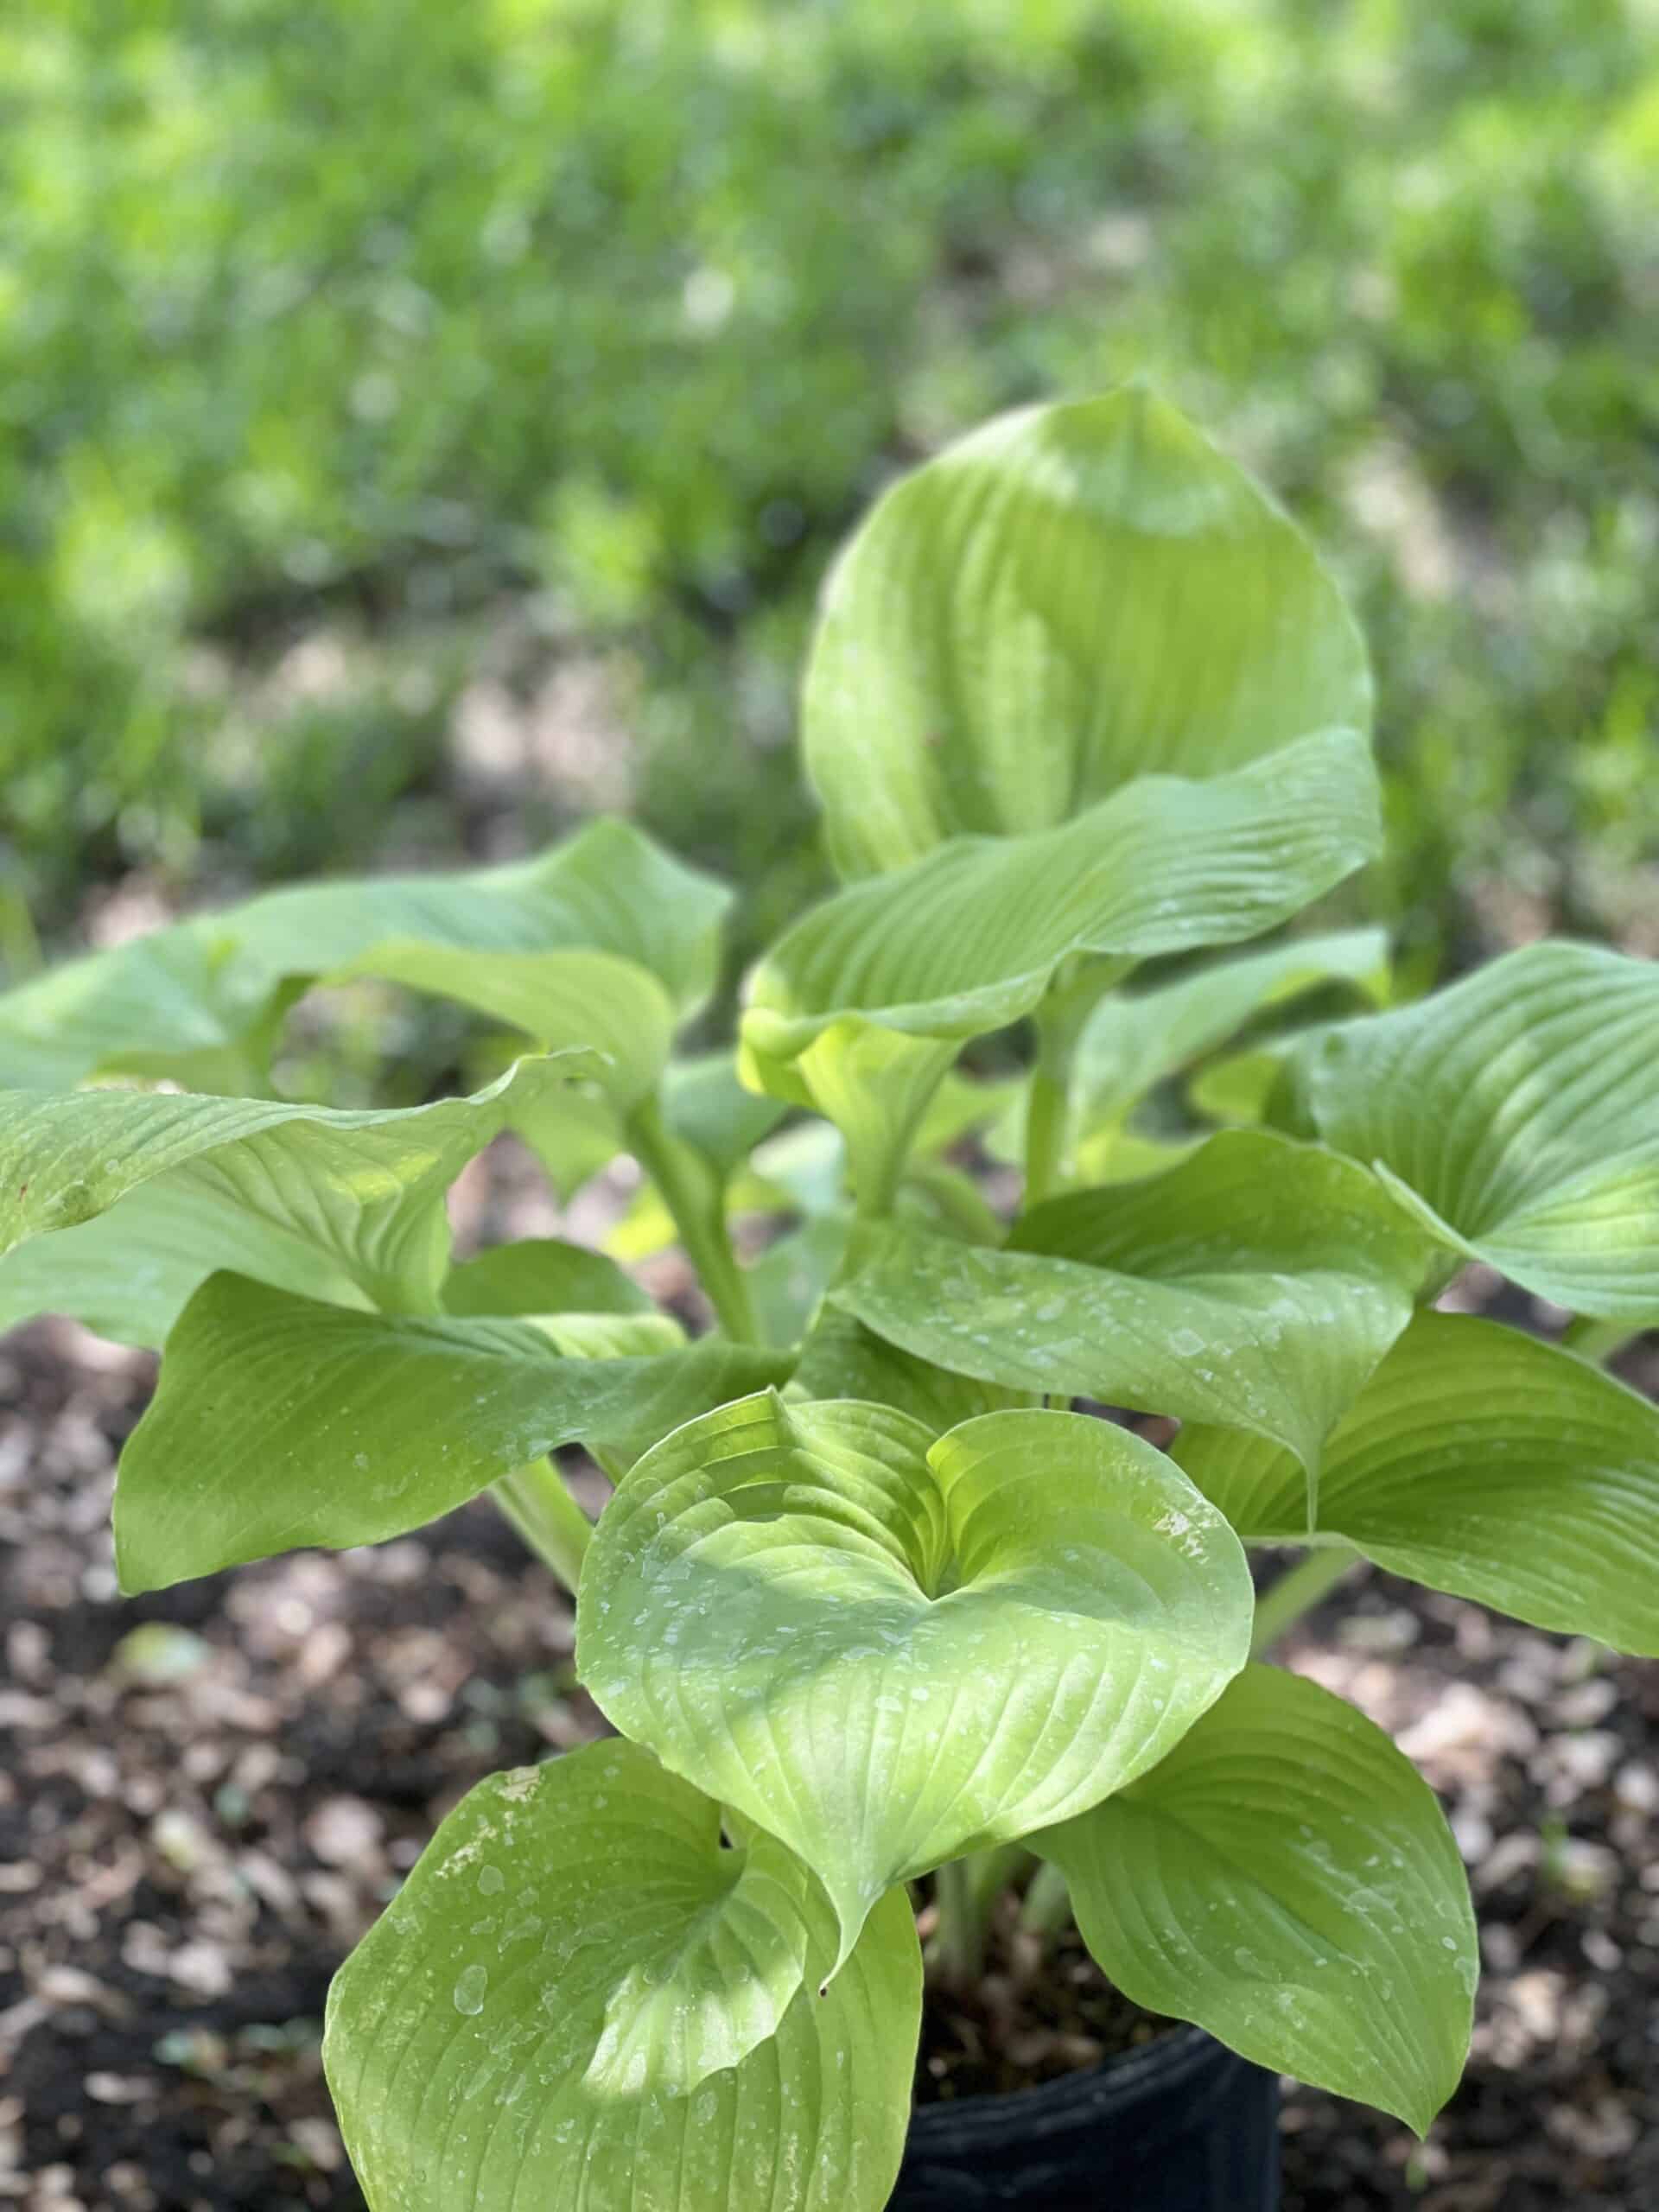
(207, 1794)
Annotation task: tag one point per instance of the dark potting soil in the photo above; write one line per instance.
(1041, 2009)
(198, 1820)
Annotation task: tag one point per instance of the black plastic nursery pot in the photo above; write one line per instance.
(1179, 2124)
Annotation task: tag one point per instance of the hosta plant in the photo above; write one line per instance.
(884, 1608)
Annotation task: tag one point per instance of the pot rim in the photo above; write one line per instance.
(1116, 2082)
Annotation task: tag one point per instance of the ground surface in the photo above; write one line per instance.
(205, 1797)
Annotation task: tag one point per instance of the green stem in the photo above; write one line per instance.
(1297, 1592)
(534, 1499)
(701, 1220)
(1045, 1119)
(1596, 1340)
(1047, 1905)
(958, 1946)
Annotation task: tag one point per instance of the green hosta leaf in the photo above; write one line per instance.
(130, 1273)
(705, 1106)
(1285, 1879)
(971, 938)
(280, 1422)
(162, 1003)
(1256, 1284)
(859, 1008)
(1239, 1088)
(844, 1359)
(1133, 1041)
(874, 1084)
(579, 2001)
(559, 1000)
(607, 889)
(787, 1282)
(888, 1650)
(1481, 1462)
(1118, 1155)
(355, 1196)
(1518, 1114)
(200, 1001)
(573, 1136)
(1073, 596)
(541, 1274)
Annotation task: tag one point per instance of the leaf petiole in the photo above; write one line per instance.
(534, 1499)
(696, 1203)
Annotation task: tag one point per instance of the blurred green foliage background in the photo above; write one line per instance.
(419, 425)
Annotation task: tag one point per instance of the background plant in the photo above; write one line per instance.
(363, 375)
(868, 1595)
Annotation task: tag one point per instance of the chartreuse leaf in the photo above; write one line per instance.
(787, 1283)
(356, 1196)
(1256, 1284)
(1285, 1879)
(1518, 1115)
(888, 1648)
(558, 999)
(840, 1358)
(859, 1008)
(280, 1422)
(1074, 596)
(970, 937)
(579, 2001)
(1133, 1040)
(874, 1083)
(200, 1001)
(128, 1273)
(542, 1275)
(1482, 1462)
(705, 1106)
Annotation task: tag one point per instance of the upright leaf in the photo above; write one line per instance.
(860, 1006)
(1256, 1284)
(888, 1650)
(1285, 1879)
(971, 937)
(579, 2001)
(1517, 1116)
(1481, 1462)
(356, 1196)
(1072, 597)
(279, 1421)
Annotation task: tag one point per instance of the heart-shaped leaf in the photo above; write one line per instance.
(355, 1196)
(888, 1650)
(1074, 596)
(1481, 1462)
(1257, 1283)
(279, 1421)
(1518, 1115)
(579, 2001)
(1285, 1879)
(201, 1001)
(1133, 1040)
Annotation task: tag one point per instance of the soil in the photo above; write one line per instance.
(206, 1795)
(1040, 2010)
